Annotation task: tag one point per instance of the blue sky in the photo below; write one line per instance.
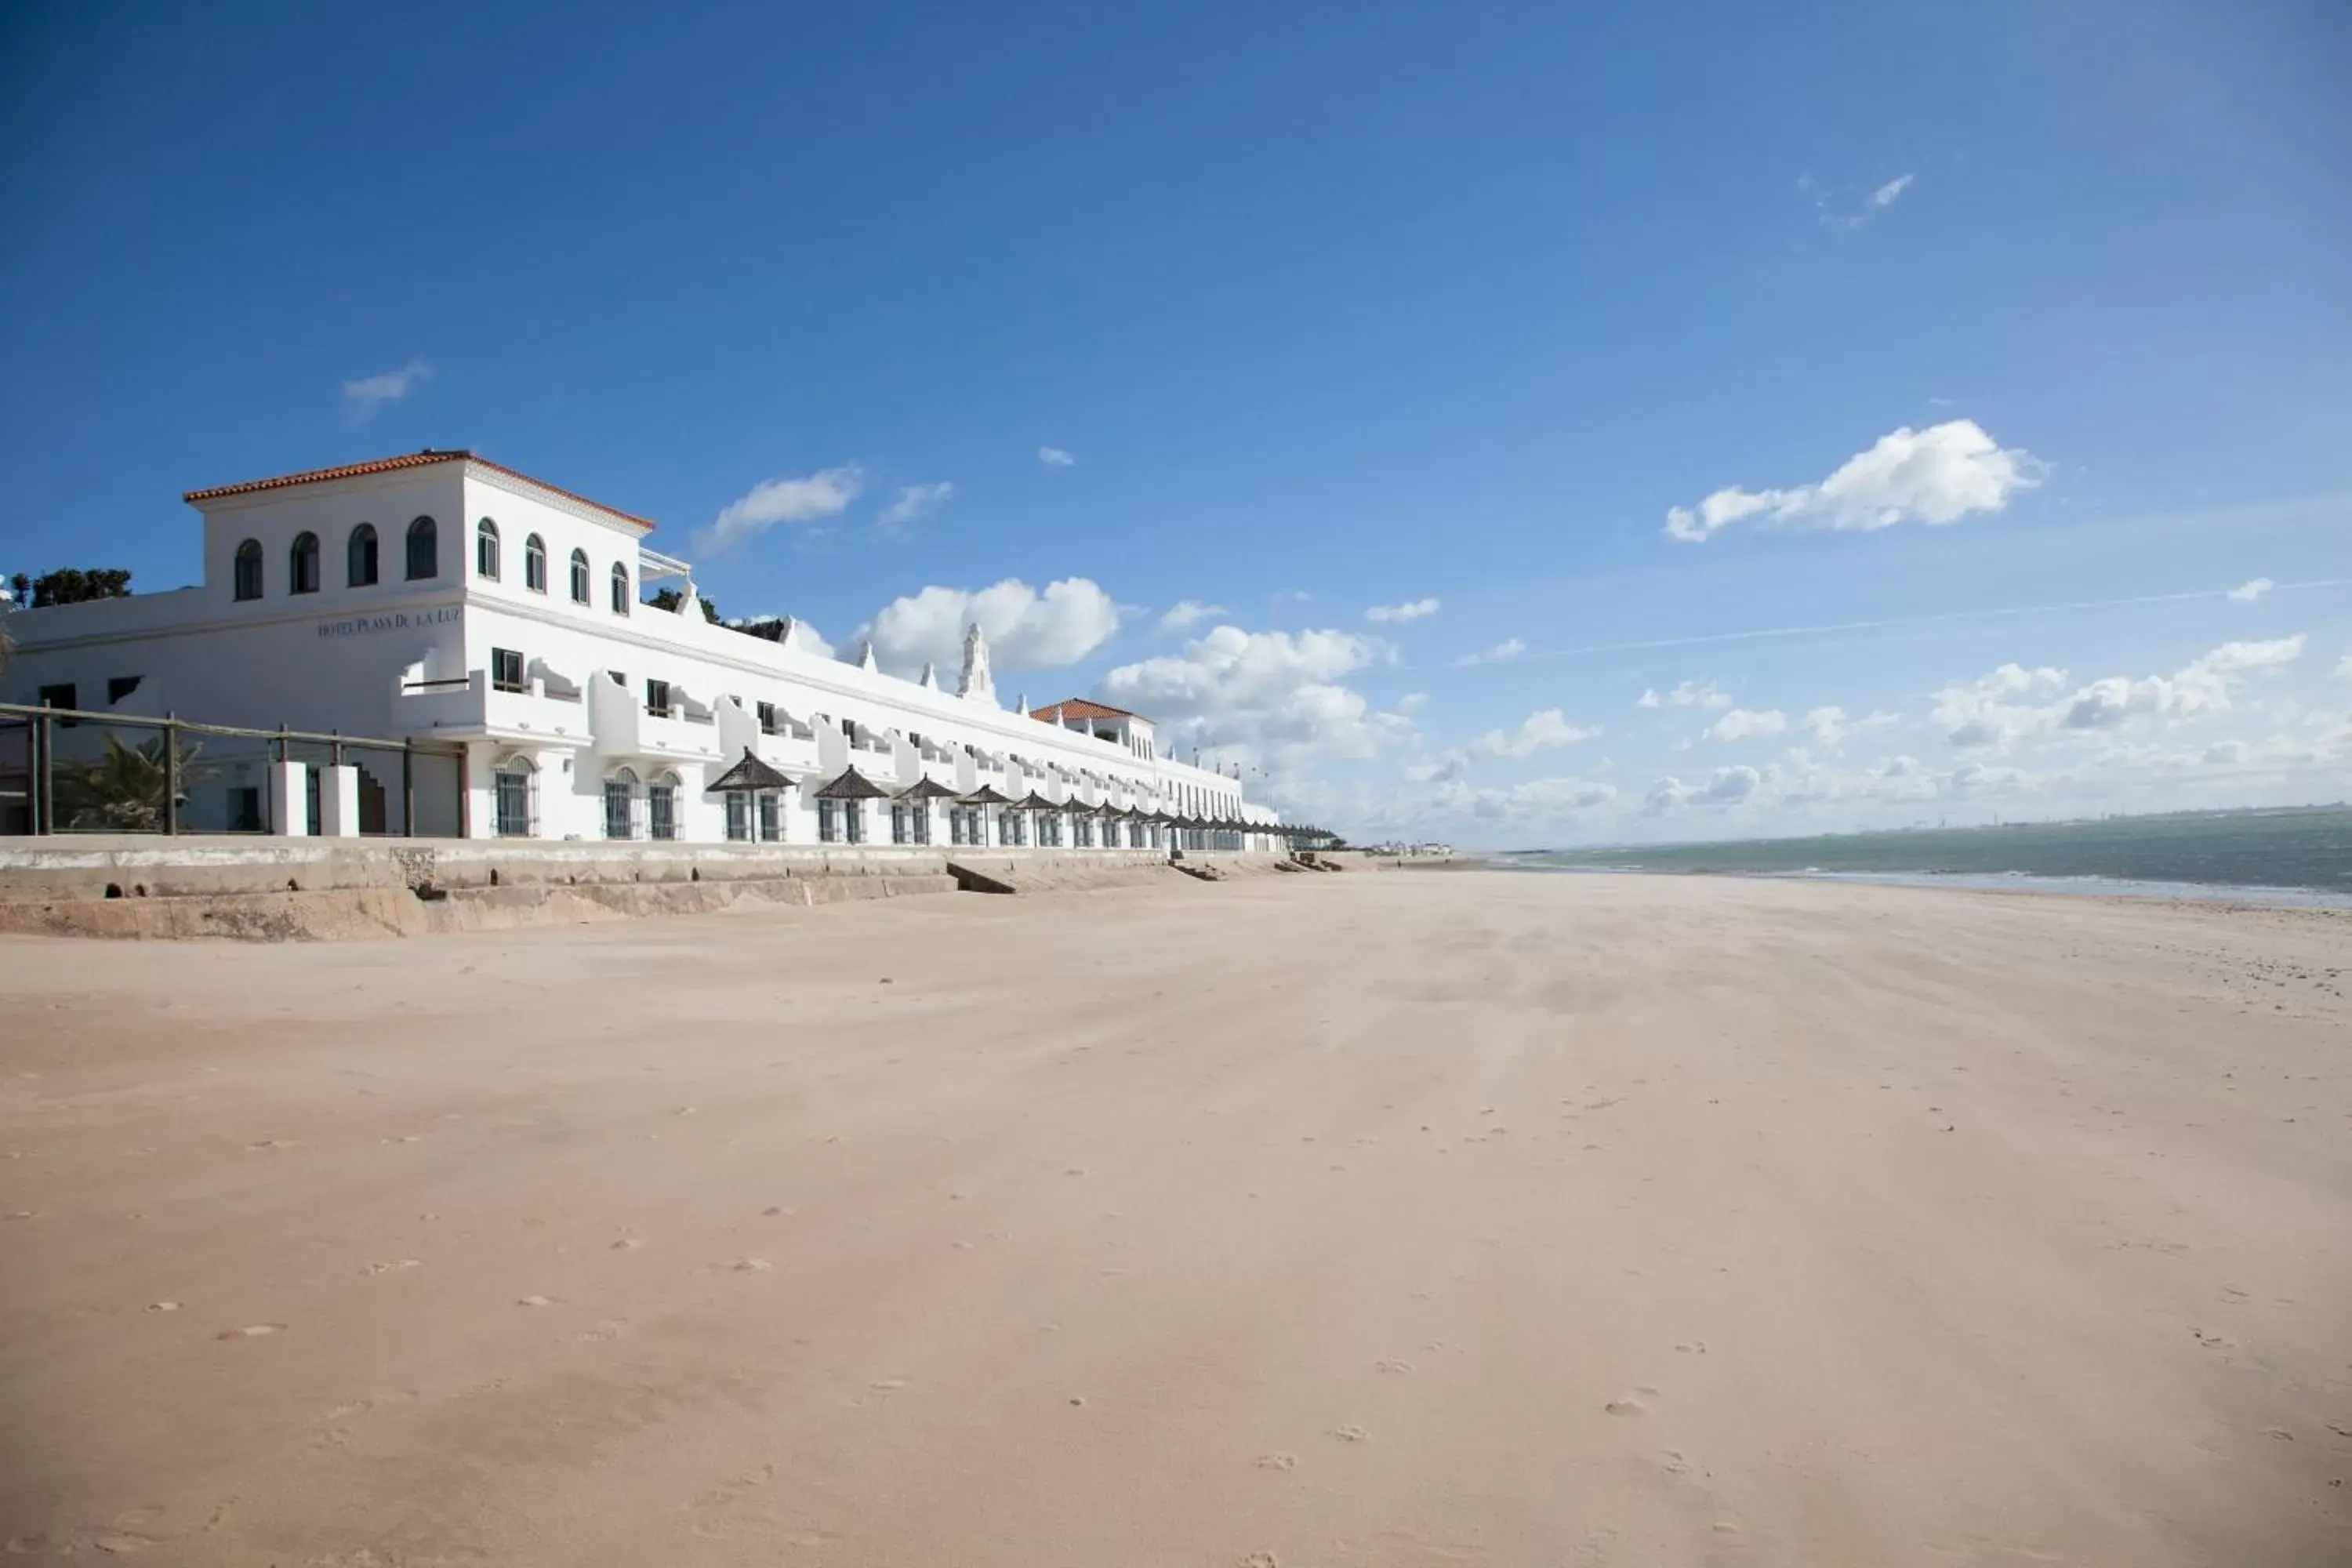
(2009, 338)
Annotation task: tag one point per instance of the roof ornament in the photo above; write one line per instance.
(978, 683)
(866, 657)
(930, 676)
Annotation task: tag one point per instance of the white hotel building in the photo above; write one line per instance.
(441, 598)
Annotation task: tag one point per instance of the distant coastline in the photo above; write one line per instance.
(2295, 855)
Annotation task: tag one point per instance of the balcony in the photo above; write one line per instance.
(542, 707)
(623, 727)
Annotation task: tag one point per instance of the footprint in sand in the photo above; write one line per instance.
(250, 1331)
(122, 1543)
(401, 1263)
(1277, 1462)
(754, 1266)
(1350, 1432)
(162, 1306)
(1395, 1365)
(887, 1384)
(1258, 1560)
(1626, 1406)
(629, 1243)
(534, 1301)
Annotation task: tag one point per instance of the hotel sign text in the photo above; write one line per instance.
(397, 621)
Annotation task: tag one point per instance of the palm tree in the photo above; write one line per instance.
(122, 789)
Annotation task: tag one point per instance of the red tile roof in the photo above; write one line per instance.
(389, 465)
(1080, 708)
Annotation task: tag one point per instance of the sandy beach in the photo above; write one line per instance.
(1383, 1218)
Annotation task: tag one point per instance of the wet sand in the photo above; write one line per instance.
(1362, 1219)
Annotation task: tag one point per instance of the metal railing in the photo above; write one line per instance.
(145, 788)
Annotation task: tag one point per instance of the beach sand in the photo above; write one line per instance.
(1380, 1219)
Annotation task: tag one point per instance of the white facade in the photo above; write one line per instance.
(586, 704)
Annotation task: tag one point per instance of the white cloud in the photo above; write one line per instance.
(1272, 697)
(1827, 726)
(1188, 613)
(1412, 610)
(2013, 703)
(362, 397)
(2247, 593)
(1413, 702)
(1689, 694)
(1934, 475)
(2344, 667)
(1554, 797)
(1502, 652)
(1536, 732)
(1746, 724)
(1727, 786)
(1446, 768)
(1874, 202)
(771, 501)
(1054, 458)
(914, 502)
(1027, 629)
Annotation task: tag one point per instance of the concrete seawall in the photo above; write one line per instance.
(283, 890)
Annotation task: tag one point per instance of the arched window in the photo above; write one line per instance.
(423, 550)
(303, 564)
(620, 589)
(579, 576)
(511, 785)
(485, 550)
(359, 556)
(620, 805)
(534, 564)
(248, 570)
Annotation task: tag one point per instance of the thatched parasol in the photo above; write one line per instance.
(851, 785)
(750, 773)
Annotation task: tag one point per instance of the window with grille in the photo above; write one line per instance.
(514, 804)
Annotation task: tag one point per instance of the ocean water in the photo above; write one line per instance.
(2300, 857)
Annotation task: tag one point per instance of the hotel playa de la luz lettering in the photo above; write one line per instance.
(441, 599)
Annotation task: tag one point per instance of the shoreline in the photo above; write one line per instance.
(2138, 889)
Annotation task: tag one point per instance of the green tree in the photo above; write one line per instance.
(122, 789)
(70, 585)
(671, 599)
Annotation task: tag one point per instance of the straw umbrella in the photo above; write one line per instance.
(920, 794)
(751, 776)
(852, 786)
